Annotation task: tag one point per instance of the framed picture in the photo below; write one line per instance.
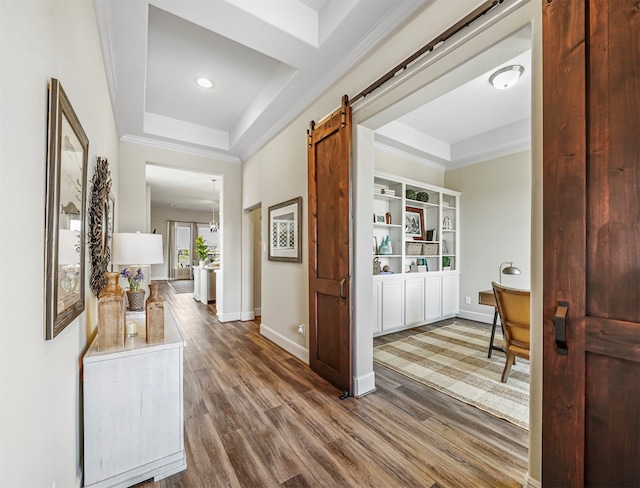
(379, 219)
(375, 245)
(285, 230)
(67, 156)
(414, 223)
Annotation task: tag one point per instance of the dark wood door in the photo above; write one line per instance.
(329, 279)
(591, 180)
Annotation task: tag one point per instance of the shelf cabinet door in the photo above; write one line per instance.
(433, 298)
(414, 298)
(392, 304)
(449, 295)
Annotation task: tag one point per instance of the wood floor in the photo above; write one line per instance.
(255, 416)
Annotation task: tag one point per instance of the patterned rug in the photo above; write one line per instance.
(453, 359)
(181, 286)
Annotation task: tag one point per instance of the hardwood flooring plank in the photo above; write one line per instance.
(194, 404)
(247, 464)
(274, 452)
(312, 453)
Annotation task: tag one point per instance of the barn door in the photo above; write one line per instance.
(329, 272)
(591, 392)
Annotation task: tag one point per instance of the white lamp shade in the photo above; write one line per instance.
(136, 248)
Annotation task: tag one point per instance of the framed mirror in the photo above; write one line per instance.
(67, 149)
(285, 227)
(101, 205)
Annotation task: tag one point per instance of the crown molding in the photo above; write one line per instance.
(394, 151)
(171, 146)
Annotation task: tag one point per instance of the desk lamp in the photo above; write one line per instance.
(509, 270)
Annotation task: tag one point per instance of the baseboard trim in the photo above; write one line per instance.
(478, 317)
(287, 344)
(363, 385)
(247, 316)
(257, 312)
(78, 483)
(529, 482)
(229, 317)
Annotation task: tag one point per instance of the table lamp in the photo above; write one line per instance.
(138, 250)
(508, 270)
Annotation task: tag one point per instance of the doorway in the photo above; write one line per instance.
(455, 62)
(252, 252)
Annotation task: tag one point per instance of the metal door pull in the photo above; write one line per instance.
(560, 323)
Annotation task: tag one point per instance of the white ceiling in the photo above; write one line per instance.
(268, 60)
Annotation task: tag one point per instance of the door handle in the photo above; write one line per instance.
(342, 282)
(560, 323)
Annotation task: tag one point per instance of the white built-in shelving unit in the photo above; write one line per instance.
(417, 288)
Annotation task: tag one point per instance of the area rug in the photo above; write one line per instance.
(181, 286)
(453, 359)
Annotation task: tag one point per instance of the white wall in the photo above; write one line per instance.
(159, 217)
(495, 226)
(132, 207)
(276, 174)
(40, 406)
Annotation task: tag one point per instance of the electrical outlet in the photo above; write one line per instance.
(467, 300)
(301, 329)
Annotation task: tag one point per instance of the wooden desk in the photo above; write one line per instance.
(487, 297)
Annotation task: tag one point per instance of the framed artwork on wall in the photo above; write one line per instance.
(414, 223)
(67, 156)
(285, 231)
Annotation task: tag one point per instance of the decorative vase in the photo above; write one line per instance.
(202, 263)
(384, 249)
(135, 299)
(154, 315)
(111, 316)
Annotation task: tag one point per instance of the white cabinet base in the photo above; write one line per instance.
(133, 410)
(404, 301)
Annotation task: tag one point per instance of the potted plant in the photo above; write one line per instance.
(135, 296)
(202, 249)
(446, 263)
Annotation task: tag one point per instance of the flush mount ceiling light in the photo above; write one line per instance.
(204, 82)
(506, 77)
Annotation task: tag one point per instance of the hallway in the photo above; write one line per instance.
(255, 416)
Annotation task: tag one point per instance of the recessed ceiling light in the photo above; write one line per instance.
(204, 82)
(506, 77)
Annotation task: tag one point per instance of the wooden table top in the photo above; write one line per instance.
(487, 297)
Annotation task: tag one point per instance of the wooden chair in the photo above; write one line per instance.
(514, 309)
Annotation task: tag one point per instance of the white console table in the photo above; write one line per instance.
(133, 410)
